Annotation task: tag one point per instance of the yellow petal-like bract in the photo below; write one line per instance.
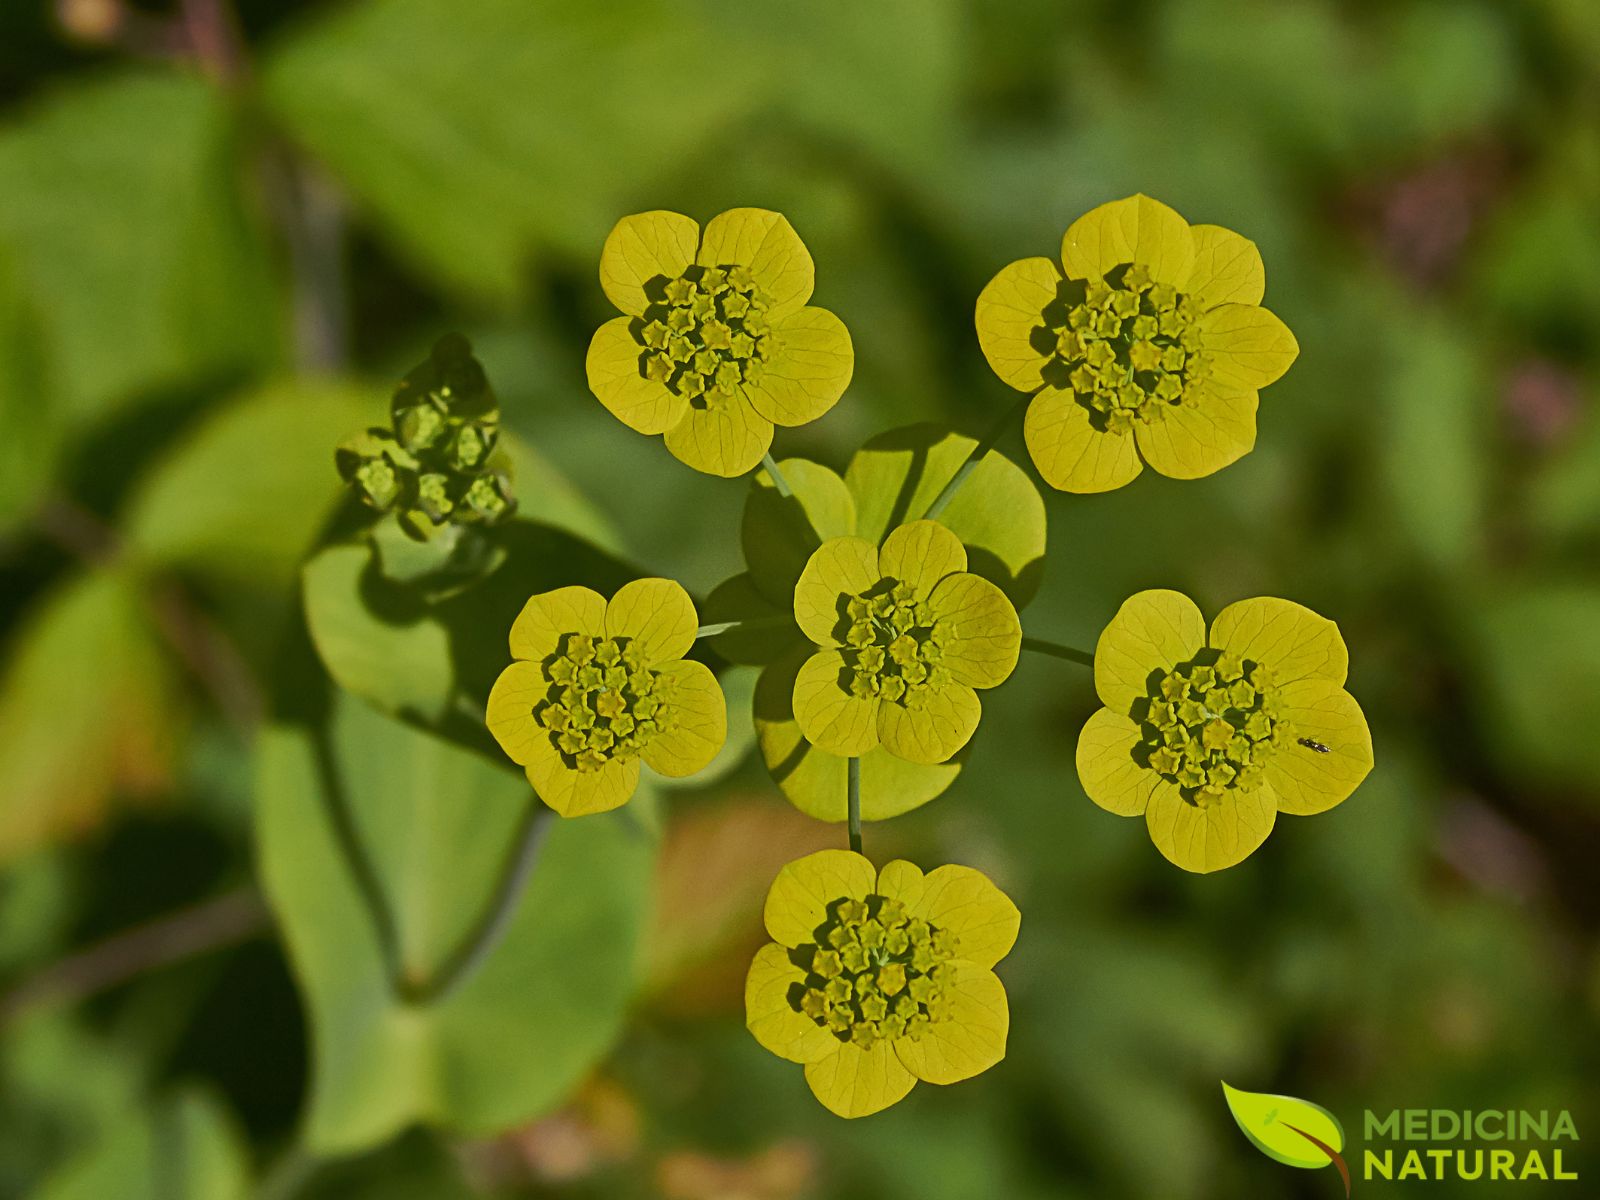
(599, 687)
(1145, 346)
(717, 344)
(904, 634)
(1210, 736)
(875, 980)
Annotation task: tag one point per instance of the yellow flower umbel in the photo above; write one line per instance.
(878, 980)
(906, 634)
(1210, 737)
(718, 344)
(599, 687)
(1147, 342)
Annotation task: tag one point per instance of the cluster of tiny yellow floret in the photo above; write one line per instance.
(895, 644)
(604, 702)
(708, 333)
(1212, 726)
(875, 973)
(1131, 347)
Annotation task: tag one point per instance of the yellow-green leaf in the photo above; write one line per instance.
(1278, 1125)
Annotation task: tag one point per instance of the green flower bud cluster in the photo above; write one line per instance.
(707, 333)
(436, 464)
(893, 646)
(875, 973)
(1131, 348)
(604, 702)
(1211, 726)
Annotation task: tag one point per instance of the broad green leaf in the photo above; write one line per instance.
(89, 712)
(778, 533)
(436, 823)
(185, 1148)
(30, 419)
(423, 656)
(121, 205)
(998, 513)
(478, 133)
(241, 498)
(1537, 657)
(1435, 437)
(1278, 1126)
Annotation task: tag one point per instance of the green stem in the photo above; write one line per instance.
(966, 469)
(778, 481)
(773, 622)
(492, 923)
(853, 801)
(1056, 650)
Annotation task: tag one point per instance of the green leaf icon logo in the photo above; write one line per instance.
(1295, 1132)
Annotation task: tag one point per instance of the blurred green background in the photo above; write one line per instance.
(224, 234)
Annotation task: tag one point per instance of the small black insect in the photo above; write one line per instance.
(1310, 745)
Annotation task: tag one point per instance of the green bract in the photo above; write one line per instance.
(907, 635)
(1000, 519)
(436, 464)
(1210, 736)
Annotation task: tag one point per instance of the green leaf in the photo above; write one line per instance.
(242, 497)
(88, 712)
(998, 513)
(121, 207)
(1538, 659)
(183, 1149)
(31, 421)
(424, 656)
(478, 133)
(1277, 1126)
(436, 823)
(778, 533)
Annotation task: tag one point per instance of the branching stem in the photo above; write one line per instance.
(853, 801)
(1056, 650)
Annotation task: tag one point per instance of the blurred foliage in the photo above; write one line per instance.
(217, 260)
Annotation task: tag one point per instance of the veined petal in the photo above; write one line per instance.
(768, 1013)
(921, 553)
(656, 615)
(809, 371)
(839, 568)
(1153, 630)
(520, 689)
(1293, 641)
(968, 904)
(1111, 776)
(765, 242)
(643, 250)
(1135, 230)
(1214, 836)
(1249, 346)
(903, 881)
(857, 1083)
(1227, 268)
(797, 903)
(1071, 454)
(1310, 781)
(618, 382)
(983, 636)
(830, 717)
(935, 731)
(1010, 321)
(726, 440)
(547, 617)
(574, 793)
(1195, 439)
(699, 722)
(970, 1037)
